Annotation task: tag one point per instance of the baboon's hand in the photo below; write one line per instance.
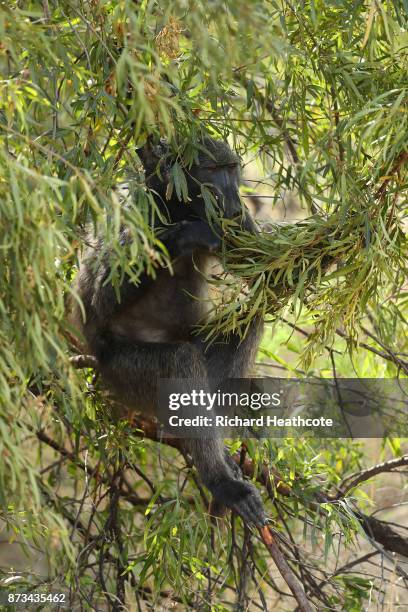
(242, 497)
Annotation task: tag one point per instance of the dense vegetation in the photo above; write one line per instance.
(316, 94)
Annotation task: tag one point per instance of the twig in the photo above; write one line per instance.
(242, 594)
(284, 569)
(276, 118)
(388, 356)
(122, 149)
(46, 9)
(306, 575)
(400, 161)
(92, 472)
(345, 568)
(402, 364)
(359, 477)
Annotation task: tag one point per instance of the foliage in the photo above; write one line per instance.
(316, 93)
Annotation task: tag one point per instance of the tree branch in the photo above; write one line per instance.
(284, 569)
(272, 480)
(400, 161)
(359, 477)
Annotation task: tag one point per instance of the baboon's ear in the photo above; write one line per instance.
(148, 154)
(151, 154)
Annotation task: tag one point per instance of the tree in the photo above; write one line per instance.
(316, 92)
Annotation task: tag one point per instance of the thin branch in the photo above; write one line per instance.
(359, 477)
(284, 569)
(46, 9)
(275, 117)
(402, 364)
(390, 175)
(92, 472)
(388, 356)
